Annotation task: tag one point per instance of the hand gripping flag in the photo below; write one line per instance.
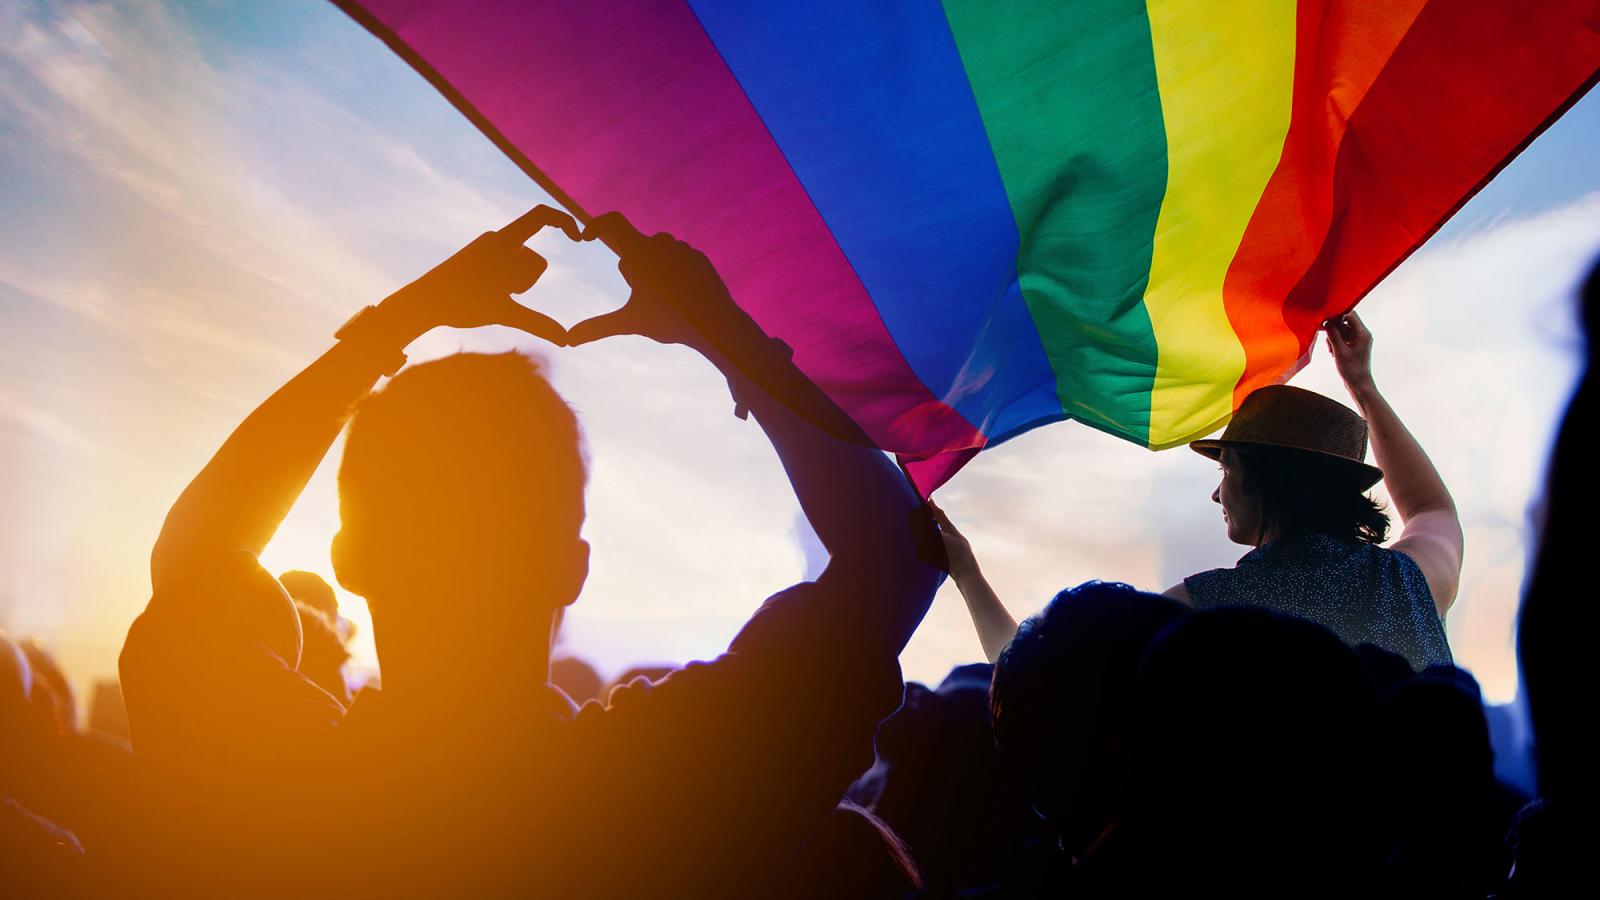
(972, 218)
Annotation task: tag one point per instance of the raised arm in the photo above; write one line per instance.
(860, 505)
(1431, 533)
(994, 624)
(772, 732)
(241, 496)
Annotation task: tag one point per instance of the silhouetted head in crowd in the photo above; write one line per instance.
(1445, 809)
(18, 723)
(52, 695)
(938, 782)
(1249, 755)
(324, 633)
(1060, 693)
(577, 679)
(460, 501)
(324, 654)
(309, 589)
(1554, 632)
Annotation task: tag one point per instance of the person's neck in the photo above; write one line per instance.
(1268, 535)
(446, 664)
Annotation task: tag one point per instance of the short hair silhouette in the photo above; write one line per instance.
(465, 468)
(1249, 758)
(309, 589)
(1060, 693)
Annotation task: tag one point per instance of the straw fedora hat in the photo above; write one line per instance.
(1283, 418)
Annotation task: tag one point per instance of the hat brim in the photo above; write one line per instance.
(1363, 475)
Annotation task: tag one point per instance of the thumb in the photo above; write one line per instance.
(609, 324)
(535, 323)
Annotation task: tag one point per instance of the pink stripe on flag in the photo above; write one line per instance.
(628, 106)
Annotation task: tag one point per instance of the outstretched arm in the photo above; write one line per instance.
(773, 731)
(994, 624)
(241, 496)
(860, 505)
(1432, 529)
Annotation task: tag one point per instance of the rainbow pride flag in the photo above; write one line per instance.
(975, 217)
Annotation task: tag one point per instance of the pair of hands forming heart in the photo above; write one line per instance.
(677, 296)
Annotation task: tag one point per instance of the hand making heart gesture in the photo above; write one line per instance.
(474, 286)
(677, 296)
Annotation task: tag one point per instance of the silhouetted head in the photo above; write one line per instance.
(577, 679)
(1271, 494)
(461, 499)
(1552, 631)
(52, 696)
(323, 652)
(1060, 693)
(18, 724)
(1250, 749)
(310, 589)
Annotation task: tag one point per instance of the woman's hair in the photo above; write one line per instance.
(1300, 493)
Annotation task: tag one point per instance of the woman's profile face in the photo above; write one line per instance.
(1239, 512)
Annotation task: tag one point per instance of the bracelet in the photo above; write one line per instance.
(364, 331)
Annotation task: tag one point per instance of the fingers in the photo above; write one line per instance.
(610, 324)
(525, 269)
(940, 516)
(1338, 334)
(1357, 329)
(1348, 328)
(614, 226)
(535, 323)
(531, 222)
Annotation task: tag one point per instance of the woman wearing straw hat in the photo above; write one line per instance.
(1293, 488)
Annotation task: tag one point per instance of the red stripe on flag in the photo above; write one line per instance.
(1340, 48)
(1471, 85)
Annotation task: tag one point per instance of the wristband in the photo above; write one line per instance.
(365, 332)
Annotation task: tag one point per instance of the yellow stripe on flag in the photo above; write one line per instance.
(1226, 74)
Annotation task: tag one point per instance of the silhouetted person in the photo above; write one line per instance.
(1555, 631)
(461, 504)
(1447, 814)
(1293, 487)
(78, 781)
(309, 589)
(38, 856)
(1248, 769)
(1060, 698)
(52, 695)
(939, 784)
(577, 679)
(324, 634)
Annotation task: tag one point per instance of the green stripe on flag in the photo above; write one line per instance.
(1068, 97)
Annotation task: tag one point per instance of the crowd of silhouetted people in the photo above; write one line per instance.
(1122, 743)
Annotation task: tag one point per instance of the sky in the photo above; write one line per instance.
(194, 195)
